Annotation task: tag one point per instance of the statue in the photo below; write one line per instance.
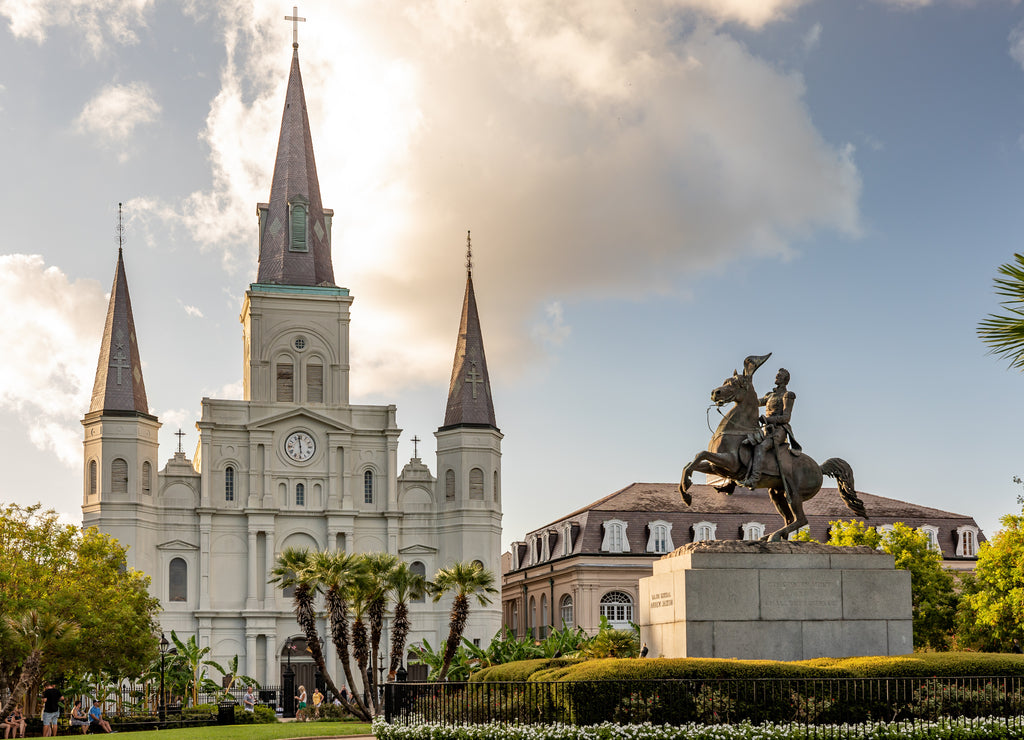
(790, 476)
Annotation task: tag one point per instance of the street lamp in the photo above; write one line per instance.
(164, 652)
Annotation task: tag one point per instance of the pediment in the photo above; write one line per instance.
(417, 550)
(177, 545)
(307, 414)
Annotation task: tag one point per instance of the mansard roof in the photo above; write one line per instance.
(639, 504)
(295, 182)
(119, 388)
(469, 392)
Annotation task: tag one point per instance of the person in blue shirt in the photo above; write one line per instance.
(96, 718)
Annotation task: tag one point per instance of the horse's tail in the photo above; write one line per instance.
(839, 469)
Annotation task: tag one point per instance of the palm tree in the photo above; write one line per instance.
(405, 586)
(192, 659)
(379, 567)
(465, 580)
(359, 599)
(40, 634)
(1004, 334)
(335, 572)
(294, 568)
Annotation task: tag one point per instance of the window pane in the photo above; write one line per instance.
(315, 383)
(285, 382)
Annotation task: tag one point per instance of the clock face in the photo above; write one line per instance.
(299, 446)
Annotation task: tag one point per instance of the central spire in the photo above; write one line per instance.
(295, 228)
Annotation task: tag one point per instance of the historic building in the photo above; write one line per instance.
(588, 564)
(294, 463)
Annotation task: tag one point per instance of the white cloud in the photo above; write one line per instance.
(1017, 44)
(99, 21)
(552, 329)
(812, 39)
(587, 146)
(192, 311)
(115, 111)
(50, 329)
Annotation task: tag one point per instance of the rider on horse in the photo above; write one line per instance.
(778, 404)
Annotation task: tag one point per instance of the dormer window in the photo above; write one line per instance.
(660, 539)
(545, 552)
(753, 531)
(567, 540)
(967, 541)
(704, 531)
(931, 533)
(298, 223)
(615, 536)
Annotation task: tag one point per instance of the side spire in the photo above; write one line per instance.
(469, 392)
(119, 387)
(295, 228)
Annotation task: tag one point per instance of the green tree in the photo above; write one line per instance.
(405, 586)
(379, 569)
(1004, 332)
(78, 578)
(463, 580)
(992, 605)
(335, 572)
(37, 635)
(931, 587)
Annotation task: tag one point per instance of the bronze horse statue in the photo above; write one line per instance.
(729, 453)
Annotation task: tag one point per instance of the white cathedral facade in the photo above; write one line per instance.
(295, 463)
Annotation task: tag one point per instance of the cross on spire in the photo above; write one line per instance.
(294, 18)
(469, 255)
(120, 229)
(179, 434)
(415, 446)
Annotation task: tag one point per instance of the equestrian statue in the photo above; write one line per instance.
(761, 452)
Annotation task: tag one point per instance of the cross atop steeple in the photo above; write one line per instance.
(179, 434)
(415, 446)
(469, 255)
(294, 18)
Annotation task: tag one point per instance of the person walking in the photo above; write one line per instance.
(52, 697)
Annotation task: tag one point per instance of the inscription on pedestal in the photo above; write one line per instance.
(785, 595)
(661, 599)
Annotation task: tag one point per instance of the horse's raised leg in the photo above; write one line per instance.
(704, 462)
(794, 513)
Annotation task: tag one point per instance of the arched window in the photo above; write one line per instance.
(476, 484)
(660, 540)
(92, 477)
(543, 615)
(515, 618)
(419, 569)
(147, 474)
(297, 221)
(119, 476)
(285, 382)
(931, 533)
(300, 494)
(449, 485)
(177, 580)
(229, 483)
(314, 383)
(368, 487)
(617, 608)
(753, 531)
(479, 564)
(532, 615)
(615, 536)
(967, 543)
(565, 612)
(704, 531)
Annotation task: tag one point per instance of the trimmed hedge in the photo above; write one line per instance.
(921, 665)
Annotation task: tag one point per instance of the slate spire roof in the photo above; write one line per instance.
(295, 189)
(119, 388)
(469, 393)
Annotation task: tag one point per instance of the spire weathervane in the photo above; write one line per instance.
(294, 18)
(469, 255)
(120, 229)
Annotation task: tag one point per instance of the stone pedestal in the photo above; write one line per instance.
(775, 601)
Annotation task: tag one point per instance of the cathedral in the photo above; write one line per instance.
(294, 463)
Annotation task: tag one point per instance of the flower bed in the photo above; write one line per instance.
(953, 729)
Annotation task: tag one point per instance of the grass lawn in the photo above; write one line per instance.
(276, 731)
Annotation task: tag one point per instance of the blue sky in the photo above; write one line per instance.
(655, 192)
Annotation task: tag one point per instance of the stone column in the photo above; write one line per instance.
(204, 559)
(250, 653)
(250, 601)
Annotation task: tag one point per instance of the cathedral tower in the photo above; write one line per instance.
(120, 433)
(469, 454)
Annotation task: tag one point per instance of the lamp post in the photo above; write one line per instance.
(288, 682)
(164, 652)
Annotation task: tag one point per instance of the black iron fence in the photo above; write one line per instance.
(143, 700)
(823, 705)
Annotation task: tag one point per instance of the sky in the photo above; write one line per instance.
(655, 191)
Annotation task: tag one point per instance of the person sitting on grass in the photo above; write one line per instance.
(79, 718)
(97, 722)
